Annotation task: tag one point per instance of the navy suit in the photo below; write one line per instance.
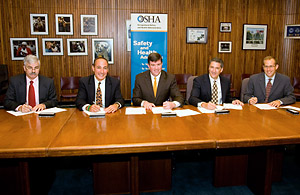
(16, 92)
(281, 90)
(87, 91)
(201, 91)
(167, 87)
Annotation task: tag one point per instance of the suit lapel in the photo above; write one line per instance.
(107, 91)
(208, 85)
(23, 90)
(261, 83)
(223, 89)
(161, 83)
(148, 84)
(91, 90)
(275, 84)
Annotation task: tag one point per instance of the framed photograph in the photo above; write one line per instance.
(292, 31)
(103, 48)
(128, 33)
(225, 27)
(21, 47)
(39, 24)
(255, 36)
(225, 46)
(77, 47)
(53, 47)
(64, 24)
(89, 24)
(196, 35)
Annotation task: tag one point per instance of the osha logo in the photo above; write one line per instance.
(148, 19)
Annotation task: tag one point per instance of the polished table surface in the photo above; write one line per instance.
(29, 135)
(73, 133)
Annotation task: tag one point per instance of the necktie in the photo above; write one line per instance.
(214, 97)
(154, 87)
(31, 95)
(268, 89)
(99, 96)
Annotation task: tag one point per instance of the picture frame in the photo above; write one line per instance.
(21, 47)
(225, 26)
(53, 47)
(103, 48)
(128, 33)
(39, 24)
(64, 24)
(225, 46)
(196, 35)
(89, 24)
(77, 47)
(255, 36)
(292, 31)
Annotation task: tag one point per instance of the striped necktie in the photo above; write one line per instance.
(268, 90)
(214, 97)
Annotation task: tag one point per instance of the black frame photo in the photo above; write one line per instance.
(225, 27)
(225, 46)
(196, 35)
(255, 36)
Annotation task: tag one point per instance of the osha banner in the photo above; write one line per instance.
(148, 35)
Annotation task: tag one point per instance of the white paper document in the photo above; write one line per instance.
(185, 112)
(265, 107)
(232, 106)
(159, 110)
(54, 110)
(130, 111)
(207, 111)
(291, 107)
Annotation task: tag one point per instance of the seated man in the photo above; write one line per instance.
(154, 87)
(30, 91)
(99, 90)
(212, 89)
(269, 87)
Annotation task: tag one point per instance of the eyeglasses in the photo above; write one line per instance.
(269, 66)
(32, 68)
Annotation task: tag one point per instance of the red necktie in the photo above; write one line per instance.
(268, 90)
(31, 95)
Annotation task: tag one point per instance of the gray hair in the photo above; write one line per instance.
(218, 60)
(31, 59)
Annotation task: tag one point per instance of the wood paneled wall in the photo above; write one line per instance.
(182, 57)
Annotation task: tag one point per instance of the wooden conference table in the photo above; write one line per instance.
(73, 133)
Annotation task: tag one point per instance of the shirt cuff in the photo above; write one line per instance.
(17, 109)
(120, 106)
(142, 104)
(84, 107)
(199, 104)
(177, 104)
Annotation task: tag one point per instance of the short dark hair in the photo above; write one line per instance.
(154, 57)
(218, 60)
(270, 58)
(99, 58)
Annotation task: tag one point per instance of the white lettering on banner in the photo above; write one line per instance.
(148, 43)
(141, 52)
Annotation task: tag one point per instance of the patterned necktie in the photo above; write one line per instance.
(99, 96)
(214, 97)
(154, 87)
(31, 95)
(268, 90)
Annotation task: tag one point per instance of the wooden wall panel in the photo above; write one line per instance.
(182, 57)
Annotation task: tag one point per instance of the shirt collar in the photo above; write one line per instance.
(36, 80)
(211, 79)
(157, 77)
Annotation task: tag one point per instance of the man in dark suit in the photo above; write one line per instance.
(30, 91)
(212, 89)
(270, 87)
(154, 87)
(99, 90)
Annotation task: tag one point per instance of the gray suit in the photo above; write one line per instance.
(16, 92)
(167, 87)
(281, 90)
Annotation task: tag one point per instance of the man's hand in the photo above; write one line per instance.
(94, 108)
(39, 107)
(275, 103)
(209, 106)
(112, 108)
(253, 100)
(148, 105)
(169, 105)
(237, 102)
(25, 108)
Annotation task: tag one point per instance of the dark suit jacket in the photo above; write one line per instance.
(16, 93)
(167, 87)
(201, 91)
(281, 89)
(87, 91)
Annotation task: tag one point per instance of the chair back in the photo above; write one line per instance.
(115, 76)
(67, 83)
(244, 88)
(245, 76)
(189, 87)
(3, 78)
(296, 83)
(182, 79)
